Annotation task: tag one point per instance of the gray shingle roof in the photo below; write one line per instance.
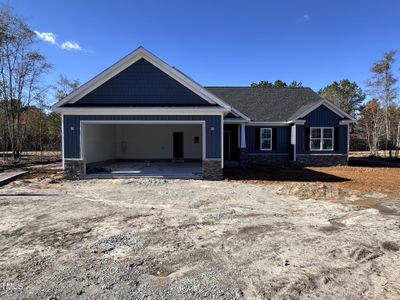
(267, 104)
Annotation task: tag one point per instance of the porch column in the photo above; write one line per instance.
(243, 156)
(242, 136)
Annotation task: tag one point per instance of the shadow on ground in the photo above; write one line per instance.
(294, 174)
(374, 162)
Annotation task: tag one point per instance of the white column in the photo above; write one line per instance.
(242, 135)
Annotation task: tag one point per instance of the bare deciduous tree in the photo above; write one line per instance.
(383, 87)
(371, 124)
(21, 68)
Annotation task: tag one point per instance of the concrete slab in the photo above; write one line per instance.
(7, 177)
(146, 169)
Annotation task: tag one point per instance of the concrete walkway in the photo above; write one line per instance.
(8, 176)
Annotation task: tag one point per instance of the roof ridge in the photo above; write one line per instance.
(263, 87)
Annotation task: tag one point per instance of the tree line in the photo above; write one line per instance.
(27, 124)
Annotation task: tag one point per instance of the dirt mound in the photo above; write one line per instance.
(312, 191)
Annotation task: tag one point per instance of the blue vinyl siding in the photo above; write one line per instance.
(322, 117)
(141, 84)
(72, 146)
(282, 139)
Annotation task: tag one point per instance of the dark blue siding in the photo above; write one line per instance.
(282, 139)
(141, 84)
(322, 117)
(72, 137)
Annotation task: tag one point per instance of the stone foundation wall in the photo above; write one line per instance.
(269, 159)
(74, 169)
(212, 170)
(321, 160)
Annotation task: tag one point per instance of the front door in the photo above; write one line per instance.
(178, 145)
(227, 145)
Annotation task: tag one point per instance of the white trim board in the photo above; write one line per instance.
(128, 60)
(268, 124)
(234, 121)
(140, 111)
(239, 114)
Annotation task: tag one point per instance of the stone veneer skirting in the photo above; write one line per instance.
(74, 169)
(268, 159)
(321, 160)
(212, 170)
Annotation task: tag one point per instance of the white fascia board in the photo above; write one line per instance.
(140, 111)
(327, 104)
(267, 124)
(297, 122)
(129, 60)
(239, 114)
(346, 122)
(234, 121)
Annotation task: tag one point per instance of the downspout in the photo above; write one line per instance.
(348, 141)
(242, 136)
(62, 139)
(222, 140)
(294, 143)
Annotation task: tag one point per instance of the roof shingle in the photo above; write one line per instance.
(267, 104)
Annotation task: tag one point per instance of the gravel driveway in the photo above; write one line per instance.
(177, 239)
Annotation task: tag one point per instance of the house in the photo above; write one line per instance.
(143, 117)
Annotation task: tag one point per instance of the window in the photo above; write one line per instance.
(266, 138)
(321, 138)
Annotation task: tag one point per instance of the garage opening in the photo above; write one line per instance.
(161, 150)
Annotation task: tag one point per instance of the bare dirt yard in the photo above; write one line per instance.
(318, 233)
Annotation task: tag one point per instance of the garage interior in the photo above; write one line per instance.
(156, 150)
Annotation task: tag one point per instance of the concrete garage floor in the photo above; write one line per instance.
(111, 169)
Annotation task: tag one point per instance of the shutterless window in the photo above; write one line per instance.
(266, 139)
(321, 138)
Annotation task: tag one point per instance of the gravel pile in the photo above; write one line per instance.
(147, 181)
(112, 242)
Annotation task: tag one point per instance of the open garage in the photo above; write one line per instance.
(143, 149)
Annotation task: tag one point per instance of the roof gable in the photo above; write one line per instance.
(322, 116)
(307, 109)
(141, 84)
(165, 81)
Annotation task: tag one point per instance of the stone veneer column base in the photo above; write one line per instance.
(74, 169)
(212, 170)
(243, 158)
(321, 160)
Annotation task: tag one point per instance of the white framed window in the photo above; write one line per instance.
(266, 139)
(321, 138)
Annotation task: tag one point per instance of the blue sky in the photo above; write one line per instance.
(219, 42)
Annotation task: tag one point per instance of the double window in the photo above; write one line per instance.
(266, 138)
(321, 138)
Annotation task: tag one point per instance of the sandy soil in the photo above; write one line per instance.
(353, 178)
(176, 239)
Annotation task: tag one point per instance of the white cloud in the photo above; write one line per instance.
(48, 37)
(306, 17)
(70, 45)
